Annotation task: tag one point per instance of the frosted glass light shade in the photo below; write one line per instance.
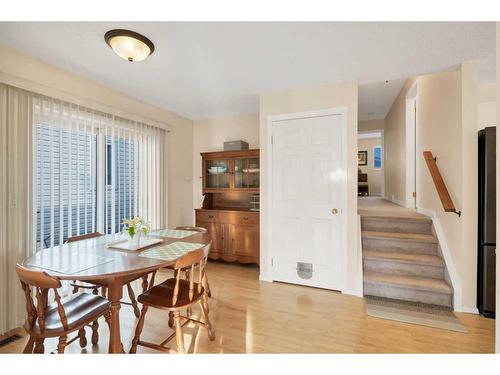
(129, 45)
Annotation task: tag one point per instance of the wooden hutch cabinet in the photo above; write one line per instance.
(231, 181)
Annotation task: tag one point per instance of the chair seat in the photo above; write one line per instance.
(160, 296)
(80, 308)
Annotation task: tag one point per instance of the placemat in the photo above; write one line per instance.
(173, 233)
(74, 262)
(171, 251)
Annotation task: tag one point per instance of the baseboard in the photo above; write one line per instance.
(468, 310)
(359, 262)
(397, 201)
(426, 212)
(264, 278)
(450, 265)
(355, 293)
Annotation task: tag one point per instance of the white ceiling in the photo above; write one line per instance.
(375, 99)
(202, 70)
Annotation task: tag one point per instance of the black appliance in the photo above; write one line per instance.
(486, 264)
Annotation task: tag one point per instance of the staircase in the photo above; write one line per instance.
(401, 260)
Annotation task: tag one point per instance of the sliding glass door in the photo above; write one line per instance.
(91, 171)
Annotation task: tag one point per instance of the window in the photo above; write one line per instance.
(92, 170)
(377, 157)
(65, 173)
(120, 178)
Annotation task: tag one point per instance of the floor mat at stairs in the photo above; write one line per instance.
(413, 313)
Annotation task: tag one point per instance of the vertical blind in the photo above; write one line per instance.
(67, 170)
(92, 170)
(15, 199)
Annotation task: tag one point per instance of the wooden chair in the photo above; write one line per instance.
(174, 295)
(199, 230)
(206, 285)
(59, 318)
(95, 288)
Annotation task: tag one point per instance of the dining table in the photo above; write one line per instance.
(96, 261)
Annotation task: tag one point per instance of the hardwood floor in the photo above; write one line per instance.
(252, 316)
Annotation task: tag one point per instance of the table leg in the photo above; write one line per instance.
(115, 292)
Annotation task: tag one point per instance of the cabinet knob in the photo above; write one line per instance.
(210, 216)
(335, 211)
(245, 218)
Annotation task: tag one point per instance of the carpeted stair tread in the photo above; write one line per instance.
(400, 257)
(408, 282)
(416, 237)
(380, 216)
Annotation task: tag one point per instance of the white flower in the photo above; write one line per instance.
(134, 225)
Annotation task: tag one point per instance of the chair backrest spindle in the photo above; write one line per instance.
(84, 237)
(191, 260)
(60, 310)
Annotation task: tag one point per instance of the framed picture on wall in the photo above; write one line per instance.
(362, 157)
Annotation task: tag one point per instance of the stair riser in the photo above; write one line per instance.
(389, 291)
(397, 226)
(403, 269)
(393, 244)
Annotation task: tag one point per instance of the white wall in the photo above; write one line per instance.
(23, 71)
(210, 135)
(345, 95)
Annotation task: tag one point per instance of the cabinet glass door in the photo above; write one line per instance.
(217, 174)
(246, 173)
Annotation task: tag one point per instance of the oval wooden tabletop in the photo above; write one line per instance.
(91, 259)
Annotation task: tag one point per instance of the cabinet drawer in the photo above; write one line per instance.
(241, 218)
(210, 217)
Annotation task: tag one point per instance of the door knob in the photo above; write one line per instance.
(335, 211)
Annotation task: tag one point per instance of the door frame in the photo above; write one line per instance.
(342, 111)
(382, 170)
(411, 146)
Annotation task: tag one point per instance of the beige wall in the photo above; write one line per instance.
(448, 113)
(371, 125)
(345, 95)
(468, 203)
(31, 74)
(447, 125)
(210, 135)
(439, 130)
(395, 146)
(487, 106)
(374, 175)
(497, 323)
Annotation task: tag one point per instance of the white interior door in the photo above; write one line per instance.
(309, 183)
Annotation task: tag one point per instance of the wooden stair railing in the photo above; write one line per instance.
(443, 193)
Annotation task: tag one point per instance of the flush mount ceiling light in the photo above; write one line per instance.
(129, 45)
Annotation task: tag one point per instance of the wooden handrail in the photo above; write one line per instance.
(444, 195)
